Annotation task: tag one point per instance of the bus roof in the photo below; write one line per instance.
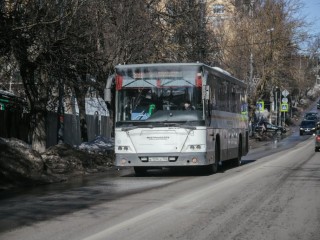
(217, 70)
(120, 66)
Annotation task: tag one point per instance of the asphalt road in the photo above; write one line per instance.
(273, 195)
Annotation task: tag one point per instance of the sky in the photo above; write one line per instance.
(311, 11)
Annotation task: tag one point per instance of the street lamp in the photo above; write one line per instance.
(276, 106)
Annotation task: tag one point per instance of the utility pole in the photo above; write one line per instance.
(60, 127)
(202, 32)
(276, 106)
(251, 54)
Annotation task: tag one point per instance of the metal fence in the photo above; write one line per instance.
(95, 126)
(16, 125)
(98, 126)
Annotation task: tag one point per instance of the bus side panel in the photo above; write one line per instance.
(224, 144)
(210, 144)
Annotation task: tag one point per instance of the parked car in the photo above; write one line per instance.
(317, 139)
(318, 104)
(307, 127)
(311, 116)
(271, 128)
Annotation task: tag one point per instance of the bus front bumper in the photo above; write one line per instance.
(163, 160)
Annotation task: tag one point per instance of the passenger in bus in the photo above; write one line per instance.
(188, 106)
(144, 108)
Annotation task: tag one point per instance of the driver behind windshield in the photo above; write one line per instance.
(187, 106)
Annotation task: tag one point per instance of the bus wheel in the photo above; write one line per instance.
(140, 171)
(215, 166)
(237, 160)
(212, 168)
(209, 169)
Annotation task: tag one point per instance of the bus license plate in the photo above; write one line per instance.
(158, 159)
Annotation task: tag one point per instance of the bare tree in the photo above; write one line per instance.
(184, 31)
(260, 42)
(59, 46)
(51, 50)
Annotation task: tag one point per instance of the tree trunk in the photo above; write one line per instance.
(39, 135)
(80, 96)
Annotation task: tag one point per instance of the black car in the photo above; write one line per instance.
(311, 114)
(307, 127)
(312, 117)
(318, 104)
(271, 128)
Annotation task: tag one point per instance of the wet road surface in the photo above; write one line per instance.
(108, 205)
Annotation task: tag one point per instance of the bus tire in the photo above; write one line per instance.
(215, 166)
(212, 168)
(140, 171)
(237, 160)
(247, 143)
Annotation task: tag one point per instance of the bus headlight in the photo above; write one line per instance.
(195, 147)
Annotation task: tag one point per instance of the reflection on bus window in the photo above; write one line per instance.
(143, 92)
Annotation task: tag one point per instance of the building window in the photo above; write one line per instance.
(218, 9)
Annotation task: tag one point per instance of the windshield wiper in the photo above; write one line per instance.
(126, 129)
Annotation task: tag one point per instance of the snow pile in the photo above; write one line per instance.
(21, 166)
(100, 145)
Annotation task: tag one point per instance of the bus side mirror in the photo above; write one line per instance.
(107, 95)
(107, 90)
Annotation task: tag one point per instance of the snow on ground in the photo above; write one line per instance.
(99, 145)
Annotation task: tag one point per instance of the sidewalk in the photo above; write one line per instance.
(256, 143)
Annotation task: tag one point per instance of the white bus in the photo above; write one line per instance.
(153, 129)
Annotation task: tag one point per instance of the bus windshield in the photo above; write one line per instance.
(149, 93)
